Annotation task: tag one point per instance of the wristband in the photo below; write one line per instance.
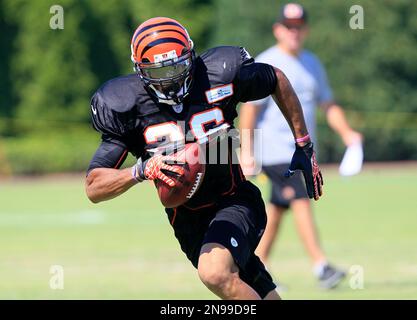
(134, 175)
(306, 138)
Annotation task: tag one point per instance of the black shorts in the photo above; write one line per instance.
(284, 190)
(237, 222)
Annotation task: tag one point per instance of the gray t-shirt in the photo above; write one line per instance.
(308, 78)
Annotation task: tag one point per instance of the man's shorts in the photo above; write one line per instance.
(237, 222)
(284, 190)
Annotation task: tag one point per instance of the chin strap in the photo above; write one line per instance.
(169, 102)
(162, 98)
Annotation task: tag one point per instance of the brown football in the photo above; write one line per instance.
(186, 185)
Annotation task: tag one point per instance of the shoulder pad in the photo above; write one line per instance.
(224, 62)
(117, 103)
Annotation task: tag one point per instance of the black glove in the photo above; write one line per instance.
(304, 159)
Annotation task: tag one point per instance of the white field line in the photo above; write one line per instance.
(82, 217)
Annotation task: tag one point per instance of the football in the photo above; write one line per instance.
(192, 160)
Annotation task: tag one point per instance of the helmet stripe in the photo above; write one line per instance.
(170, 23)
(160, 41)
(159, 31)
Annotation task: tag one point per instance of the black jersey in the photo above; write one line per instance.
(130, 120)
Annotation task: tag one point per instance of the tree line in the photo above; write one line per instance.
(48, 75)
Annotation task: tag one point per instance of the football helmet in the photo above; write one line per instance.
(163, 56)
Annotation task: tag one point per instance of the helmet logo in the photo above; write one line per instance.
(165, 56)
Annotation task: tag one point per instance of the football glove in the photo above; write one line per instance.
(304, 159)
(152, 169)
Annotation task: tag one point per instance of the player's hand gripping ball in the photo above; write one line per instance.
(177, 176)
(191, 160)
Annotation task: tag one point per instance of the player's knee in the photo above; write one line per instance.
(218, 279)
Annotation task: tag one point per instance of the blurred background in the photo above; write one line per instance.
(125, 248)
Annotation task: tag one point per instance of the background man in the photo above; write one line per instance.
(308, 78)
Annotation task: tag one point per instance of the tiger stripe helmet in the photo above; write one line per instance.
(163, 56)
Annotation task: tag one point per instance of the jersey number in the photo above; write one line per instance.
(173, 132)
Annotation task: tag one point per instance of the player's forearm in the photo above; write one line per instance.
(337, 120)
(247, 116)
(104, 184)
(247, 119)
(290, 106)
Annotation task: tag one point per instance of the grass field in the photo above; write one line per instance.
(125, 248)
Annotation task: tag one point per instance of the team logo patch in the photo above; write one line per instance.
(233, 242)
(219, 93)
(178, 108)
(165, 56)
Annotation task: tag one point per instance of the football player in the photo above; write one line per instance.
(173, 94)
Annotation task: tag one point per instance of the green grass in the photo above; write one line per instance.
(125, 248)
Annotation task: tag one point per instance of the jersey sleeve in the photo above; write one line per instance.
(105, 120)
(110, 154)
(113, 149)
(254, 81)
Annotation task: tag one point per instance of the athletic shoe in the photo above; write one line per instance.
(330, 277)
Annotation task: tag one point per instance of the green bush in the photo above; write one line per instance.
(50, 151)
(372, 71)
